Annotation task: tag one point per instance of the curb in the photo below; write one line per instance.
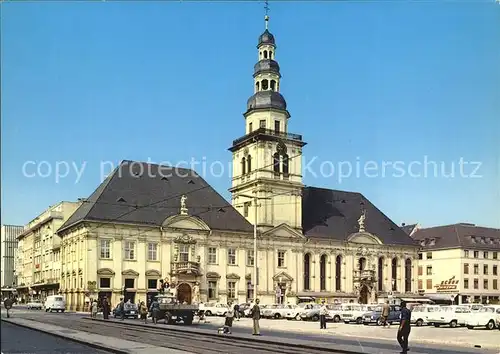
(59, 335)
(240, 339)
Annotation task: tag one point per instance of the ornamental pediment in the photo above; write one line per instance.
(213, 275)
(105, 271)
(153, 273)
(364, 238)
(282, 276)
(185, 239)
(284, 231)
(185, 222)
(233, 276)
(130, 273)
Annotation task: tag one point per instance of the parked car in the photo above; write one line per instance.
(334, 313)
(353, 313)
(452, 316)
(55, 303)
(294, 313)
(374, 316)
(131, 311)
(277, 311)
(311, 314)
(35, 305)
(420, 314)
(486, 317)
(214, 309)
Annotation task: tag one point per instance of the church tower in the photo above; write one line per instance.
(267, 160)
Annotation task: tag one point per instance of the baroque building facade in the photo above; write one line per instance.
(148, 222)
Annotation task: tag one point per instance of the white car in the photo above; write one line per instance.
(452, 316)
(214, 309)
(485, 317)
(354, 312)
(294, 313)
(335, 312)
(277, 311)
(35, 305)
(420, 314)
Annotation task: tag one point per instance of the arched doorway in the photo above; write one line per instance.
(184, 293)
(364, 294)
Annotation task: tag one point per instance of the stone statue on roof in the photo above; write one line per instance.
(183, 205)
(361, 221)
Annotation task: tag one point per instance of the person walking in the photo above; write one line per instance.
(121, 307)
(404, 328)
(93, 312)
(323, 311)
(237, 314)
(386, 309)
(105, 308)
(8, 302)
(143, 311)
(256, 318)
(229, 320)
(155, 310)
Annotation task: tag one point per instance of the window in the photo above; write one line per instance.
(420, 284)
(476, 283)
(429, 270)
(485, 269)
(495, 270)
(212, 290)
(105, 283)
(183, 253)
(495, 255)
(429, 255)
(495, 284)
(246, 208)
(231, 290)
(152, 251)
(476, 269)
(129, 250)
(281, 258)
(262, 124)
(81, 283)
(285, 165)
(277, 126)
(420, 256)
(231, 256)
(476, 254)
(466, 268)
(152, 283)
(106, 249)
(130, 283)
(212, 255)
(466, 283)
(429, 284)
(250, 127)
(466, 254)
(485, 255)
(420, 270)
(250, 258)
(276, 163)
(485, 284)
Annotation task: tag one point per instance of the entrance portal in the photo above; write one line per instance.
(184, 293)
(363, 294)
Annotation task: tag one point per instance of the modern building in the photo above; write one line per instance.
(38, 263)
(147, 222)
(9, 235)
(459, 263)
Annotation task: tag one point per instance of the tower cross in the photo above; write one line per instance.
(266, 8)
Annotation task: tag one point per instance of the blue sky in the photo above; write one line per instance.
(85, 82)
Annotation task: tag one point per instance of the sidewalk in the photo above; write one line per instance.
(111, 344)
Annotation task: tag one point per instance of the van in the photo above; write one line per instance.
(55, 303)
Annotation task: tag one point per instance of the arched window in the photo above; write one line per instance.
(257, 86)
(265, 84)
(249, 164)
(380, 274)
(408, 275)
(243, 166)
(270, 54)
(273, 85)
(322, 272)
(276, 163)
(394, 274)
(307, 271)
(265, 54)
(338, 273)
(285, 165)
(362, 263)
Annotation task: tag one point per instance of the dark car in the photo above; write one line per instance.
(131, 311)
(374, 317)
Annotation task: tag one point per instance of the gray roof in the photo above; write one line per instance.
(333, 214)
(142, 193)
(408, 228)
(266, 100)
(266, 38)
(266, 66)
(461, 235)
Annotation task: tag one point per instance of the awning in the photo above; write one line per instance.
(441, 297)
(415, 299)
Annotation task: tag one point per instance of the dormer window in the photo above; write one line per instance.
(432, 242)
(422, 243)
(473, 239)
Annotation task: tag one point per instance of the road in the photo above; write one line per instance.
(17, 339)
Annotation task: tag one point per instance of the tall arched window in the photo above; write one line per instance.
(243, 166)
(276, 164)
(265, 54)
(257, 86)
(338, 273)
(322, 272)
(273, 85)
(408, 275)
(380, 274)
(307, 271)
(362, 263)
(285, 165)
(265, 84)
(249, 164)
(394, 274)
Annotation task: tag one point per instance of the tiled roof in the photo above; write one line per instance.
(458, 235)
(142, 193)
(409, 228)
(333, 214)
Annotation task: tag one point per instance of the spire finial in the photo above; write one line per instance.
(266, 8)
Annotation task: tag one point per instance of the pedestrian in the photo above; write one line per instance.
(237, 314)
(323, 311)
(256, 318)
(155, 310)
(94, 309)
(404, 328)
(121, 307)
(143, 310)
(8, 305)
(229, 320)
(386, 309)
(105, 308)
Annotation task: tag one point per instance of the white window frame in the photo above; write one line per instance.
(283, 258)
(184, 250)
(129, 250)
(152, 251)
(231, 256)
(105, 245)
(216, 290)
(232, 289)
(212, 254)
(250, 258)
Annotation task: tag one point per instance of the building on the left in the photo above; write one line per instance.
(38, 261)
(9, 235)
